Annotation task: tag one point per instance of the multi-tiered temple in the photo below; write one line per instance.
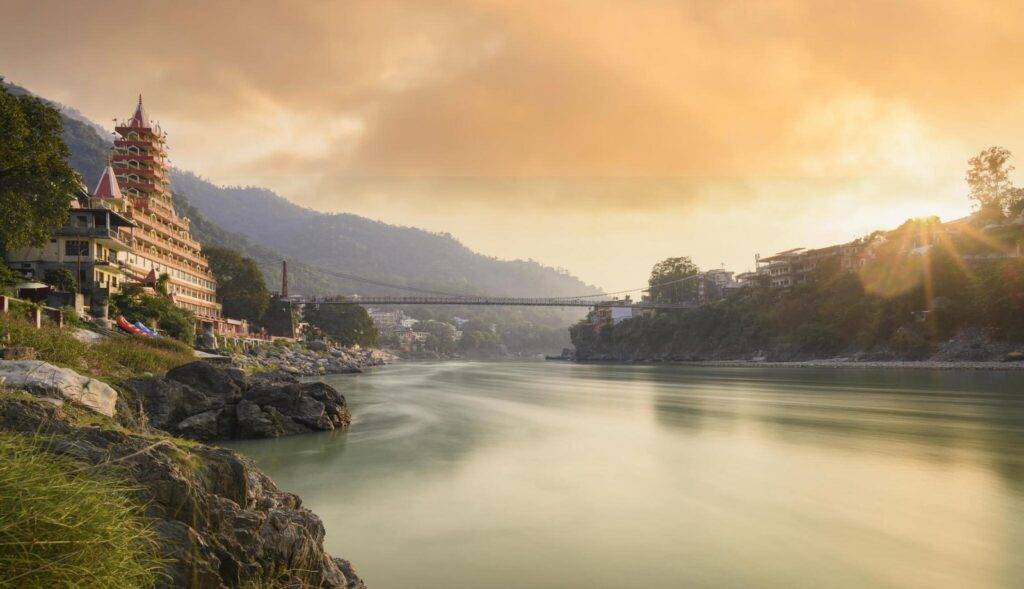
(162, 241)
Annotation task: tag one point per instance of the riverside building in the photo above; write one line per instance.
(137, 184)
(88, 245)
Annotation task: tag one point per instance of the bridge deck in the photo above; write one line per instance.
(502, 301)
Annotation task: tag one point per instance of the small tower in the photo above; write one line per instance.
(284, 279)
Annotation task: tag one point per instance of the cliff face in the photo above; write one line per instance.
(219, 520)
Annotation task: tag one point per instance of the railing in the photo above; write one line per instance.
(33, 312)
(160, 242)
(101, 232)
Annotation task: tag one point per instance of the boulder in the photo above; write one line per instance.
(86, 336)
(226, 383)
(46, 380)
(314, 405)
(166, 402)
(210, 402)
(202, 426)
(253, 422)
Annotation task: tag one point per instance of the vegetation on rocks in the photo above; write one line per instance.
(64, 524)
(215, 520)
(109, 359)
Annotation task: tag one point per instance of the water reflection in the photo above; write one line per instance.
(561, 475)
(932, 415)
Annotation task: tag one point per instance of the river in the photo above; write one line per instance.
(531, 474)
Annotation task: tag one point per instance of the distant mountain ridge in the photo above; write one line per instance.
(268, 228)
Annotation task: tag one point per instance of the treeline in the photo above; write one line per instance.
(870, 314)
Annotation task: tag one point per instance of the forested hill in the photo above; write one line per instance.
(267, 227)
(361, 246)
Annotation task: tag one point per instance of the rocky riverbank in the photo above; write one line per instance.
(312, 359)
(119, 409)
(216, 519)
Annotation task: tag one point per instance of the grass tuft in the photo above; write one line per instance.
(63, 525)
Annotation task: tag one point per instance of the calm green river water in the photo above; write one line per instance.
(483, 475)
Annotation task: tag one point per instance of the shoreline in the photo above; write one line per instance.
(886, 364)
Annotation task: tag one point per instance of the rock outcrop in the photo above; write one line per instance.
(312, 359)
(218, 519)
(203, 401)
(58, 384)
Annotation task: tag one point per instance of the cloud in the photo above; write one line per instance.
(575, 107)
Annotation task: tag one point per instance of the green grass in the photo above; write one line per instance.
(110, 359)
(64, 525)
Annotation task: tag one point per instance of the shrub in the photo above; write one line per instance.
(137, 306)
(63, 525)
(348, 324)
(909, 344)
(61, 279)
(71, 318)
(8, 278)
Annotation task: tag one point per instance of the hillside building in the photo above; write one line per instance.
(714, 284)
(797, 266)
(89, 245)
(387, 322)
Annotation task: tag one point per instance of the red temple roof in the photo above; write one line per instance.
(139, 119)
(107, 186)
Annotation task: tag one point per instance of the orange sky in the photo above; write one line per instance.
(598, 136)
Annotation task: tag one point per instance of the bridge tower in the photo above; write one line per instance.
(284, 279)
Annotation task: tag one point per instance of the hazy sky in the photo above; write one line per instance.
(597, 136)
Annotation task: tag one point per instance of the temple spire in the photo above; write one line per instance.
(107, 187)
(139, 119)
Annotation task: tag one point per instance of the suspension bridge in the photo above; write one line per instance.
(432, 297)
(486, 300)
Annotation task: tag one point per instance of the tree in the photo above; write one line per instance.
(480, 338)
(61, 279)
(136, 306)
(441, 337)
(36, 182)
(349, 324)
(668, 283)
(161, 286)
(988, 177)
(8, 278)
(240, 285)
